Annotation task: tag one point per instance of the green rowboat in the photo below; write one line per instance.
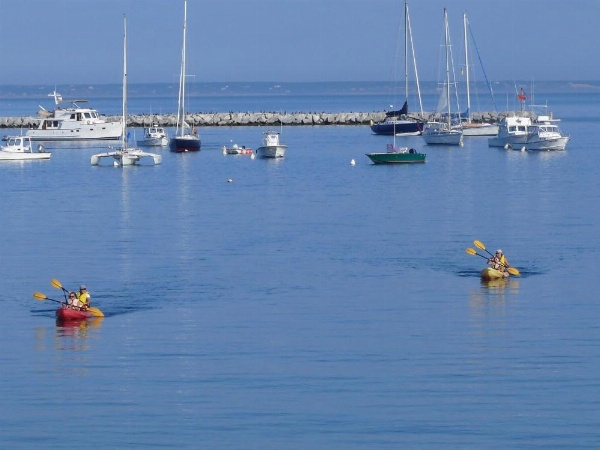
(396, 155)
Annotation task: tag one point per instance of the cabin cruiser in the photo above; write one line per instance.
(19, 148)
(72, 123)
(154, 136)
(512, 132)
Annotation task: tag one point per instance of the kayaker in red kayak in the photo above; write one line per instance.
(84, 297)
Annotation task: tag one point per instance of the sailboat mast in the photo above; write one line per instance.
(124, 125)
(467, 68)
(181, 102)
(414, 58)
(446, 41)
(406, 50)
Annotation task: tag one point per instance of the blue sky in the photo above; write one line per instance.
(79, 41)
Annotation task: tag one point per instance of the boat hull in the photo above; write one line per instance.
(185, 143)
(557, 144)
(490, 273)
(77, 131)
(154, 142)
(66, 313)
(10, 156)
(271, 151)
(398, 127)
(447, 138)
(479, 129)
(397, 158)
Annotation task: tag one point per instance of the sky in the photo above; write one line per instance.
(80, 41)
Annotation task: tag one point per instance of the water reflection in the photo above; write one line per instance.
(493, 292)
(73, 335)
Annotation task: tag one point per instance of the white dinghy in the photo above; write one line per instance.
(125, 156)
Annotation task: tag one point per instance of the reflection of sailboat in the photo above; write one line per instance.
(186, 139)
(397, 122)
(125, 156)
(439, 131)
(469, 127)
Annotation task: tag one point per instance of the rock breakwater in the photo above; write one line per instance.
(231, 119)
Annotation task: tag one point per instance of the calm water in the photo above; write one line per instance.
(309, 303)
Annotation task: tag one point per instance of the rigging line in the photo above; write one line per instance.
(487, 81)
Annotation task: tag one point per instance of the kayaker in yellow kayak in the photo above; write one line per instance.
(499, 262)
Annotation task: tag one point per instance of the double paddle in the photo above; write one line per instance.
(94, 311)
(479, 244)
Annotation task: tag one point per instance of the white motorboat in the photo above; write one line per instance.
(19, 148)
(72, 123)
(271, 147)
(545, 137)
(186, 138)
(125, 156)
(512, 132)
(443, 132)
(154, 136)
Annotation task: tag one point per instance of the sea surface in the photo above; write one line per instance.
(307, 303)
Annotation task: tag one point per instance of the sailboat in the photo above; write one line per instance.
(440, 131)
(397, 122)
(471, 128)
(397, 155)
(186, 139)
(125, 156)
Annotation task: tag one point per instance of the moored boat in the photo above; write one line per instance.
(399, 122)
(237, 150)
(396, 155)
(440, 132)
(271, 147)
(19, 148)
(125, 156)
(74, 123)
(489, 273)
(70, 313)
(546, 137)
(154, 136)
(512, 132)
(186, 138)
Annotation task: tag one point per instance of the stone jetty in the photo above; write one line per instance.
(232, 119)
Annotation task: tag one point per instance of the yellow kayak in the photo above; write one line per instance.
(492, 274)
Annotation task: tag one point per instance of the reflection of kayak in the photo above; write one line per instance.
(66, 313)
(492, 274)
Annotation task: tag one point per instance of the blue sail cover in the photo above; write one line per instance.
(400, 112)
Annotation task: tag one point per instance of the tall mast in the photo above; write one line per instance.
(181, 105)
(467, 69)
(446, 41)
(124, 125)
(412, 50)
(406, 50)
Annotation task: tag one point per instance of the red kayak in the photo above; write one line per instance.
(67, 313)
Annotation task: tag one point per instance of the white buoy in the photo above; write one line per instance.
(230, 180)
(352, 162)
(523, 148)
(252, 156)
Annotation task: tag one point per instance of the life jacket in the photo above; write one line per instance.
(83, 297)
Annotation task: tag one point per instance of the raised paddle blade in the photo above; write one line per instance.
(471, 251)
(479, 244)
(513, 271)
(39, 296)
(57, 284)
(95, 312)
